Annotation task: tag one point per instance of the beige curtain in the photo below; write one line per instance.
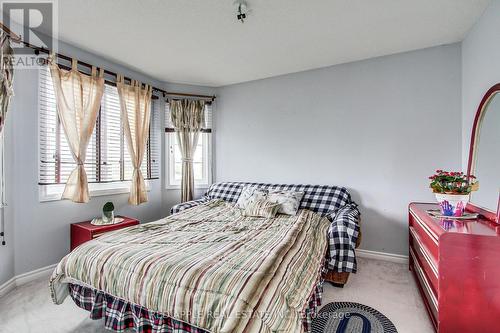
(6, 92)
(78, 98)
(188, 118)
(135, 104)
(6, 76)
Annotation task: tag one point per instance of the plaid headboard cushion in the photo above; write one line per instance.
(323, 199)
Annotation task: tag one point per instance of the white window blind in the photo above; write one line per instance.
(154, 142)
(107, 157)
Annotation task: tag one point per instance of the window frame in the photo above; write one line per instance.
(170, 161)
(53, 192)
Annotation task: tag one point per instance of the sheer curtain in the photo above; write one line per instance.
(135, 103)
(6, 75)
(188, 118)
(6, 92)
(78, 98)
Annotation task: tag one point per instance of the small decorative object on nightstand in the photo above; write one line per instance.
(84, 231)
(108, 213)
(108, 216)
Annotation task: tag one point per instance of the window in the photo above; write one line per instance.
(202, 159)
(107, 163)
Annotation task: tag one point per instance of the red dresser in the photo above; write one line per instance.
(456, 264)
(84, 231)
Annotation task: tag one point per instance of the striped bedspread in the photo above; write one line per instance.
(208, 266)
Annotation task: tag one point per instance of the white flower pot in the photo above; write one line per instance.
(452, 204)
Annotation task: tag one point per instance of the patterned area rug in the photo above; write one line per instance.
(346, 317)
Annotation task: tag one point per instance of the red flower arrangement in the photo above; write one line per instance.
(453, 182)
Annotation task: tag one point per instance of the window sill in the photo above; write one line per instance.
(196, 187)
(53, 192)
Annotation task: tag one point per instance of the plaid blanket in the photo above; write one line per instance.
(333, 202)
(208, 266)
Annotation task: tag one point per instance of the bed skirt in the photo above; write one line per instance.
(120, 315)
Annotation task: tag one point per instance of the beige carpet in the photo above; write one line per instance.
(385, 286)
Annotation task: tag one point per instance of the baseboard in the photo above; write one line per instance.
(397, 258)
(7, 286)
(24, 278)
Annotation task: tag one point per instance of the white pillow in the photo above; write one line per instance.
(250, 194)
(261, 208)
(289, 200)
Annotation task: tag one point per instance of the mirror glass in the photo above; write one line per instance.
(487, 156)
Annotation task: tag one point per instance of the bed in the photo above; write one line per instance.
(206, 268)
(333, 202)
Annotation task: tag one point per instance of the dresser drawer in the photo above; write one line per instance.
(427, 262)
(96, 235)
(85, 231)
(426, 236)
(425, 286)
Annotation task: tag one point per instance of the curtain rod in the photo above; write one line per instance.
(111, 83)
(13, 36)
(17, 39)
(162, 91)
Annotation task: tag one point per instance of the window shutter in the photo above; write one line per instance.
(107, 157)
(111, 136)
(56, 159)
(155, 140)
(49, 128)
(128, 167)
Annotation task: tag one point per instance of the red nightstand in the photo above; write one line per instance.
(84, 231)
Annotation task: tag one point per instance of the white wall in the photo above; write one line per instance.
(38, 233)
(480, 68)
(379, 127)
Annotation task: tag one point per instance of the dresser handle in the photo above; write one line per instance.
(426, 255)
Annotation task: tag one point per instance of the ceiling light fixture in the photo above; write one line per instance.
(242, 10)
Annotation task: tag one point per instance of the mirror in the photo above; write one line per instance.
(484, 159)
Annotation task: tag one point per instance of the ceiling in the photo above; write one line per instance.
(200, 41)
